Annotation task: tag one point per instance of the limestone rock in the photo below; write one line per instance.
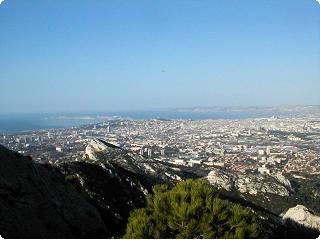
(99, 150)
(303, 216)
(221, 178)
(97, 146)
(252, 184)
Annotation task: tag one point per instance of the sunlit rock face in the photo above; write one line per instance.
(303, 216)
(109, 154)
(252, 184)
(97, 146)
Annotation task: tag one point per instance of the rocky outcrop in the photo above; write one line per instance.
(37, 202)
(97, 146)
(110, 155)
(261, 184)
(250, 183)
(303, 216)
(222, 179)
(285, 182)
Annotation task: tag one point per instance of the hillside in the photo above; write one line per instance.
(116, 181)
(36, 202)
(93, 197)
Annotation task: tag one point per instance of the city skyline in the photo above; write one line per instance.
(80, 56)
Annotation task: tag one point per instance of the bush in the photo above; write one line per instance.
(190, 210)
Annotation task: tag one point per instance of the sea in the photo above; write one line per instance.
(15, 123)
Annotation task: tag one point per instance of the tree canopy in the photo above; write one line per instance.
(191, 209)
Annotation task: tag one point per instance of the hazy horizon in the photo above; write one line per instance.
(98, 56)
(212, 108)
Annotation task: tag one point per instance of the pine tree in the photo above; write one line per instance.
(191, 209)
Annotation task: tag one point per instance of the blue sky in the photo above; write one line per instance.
(103, 55)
